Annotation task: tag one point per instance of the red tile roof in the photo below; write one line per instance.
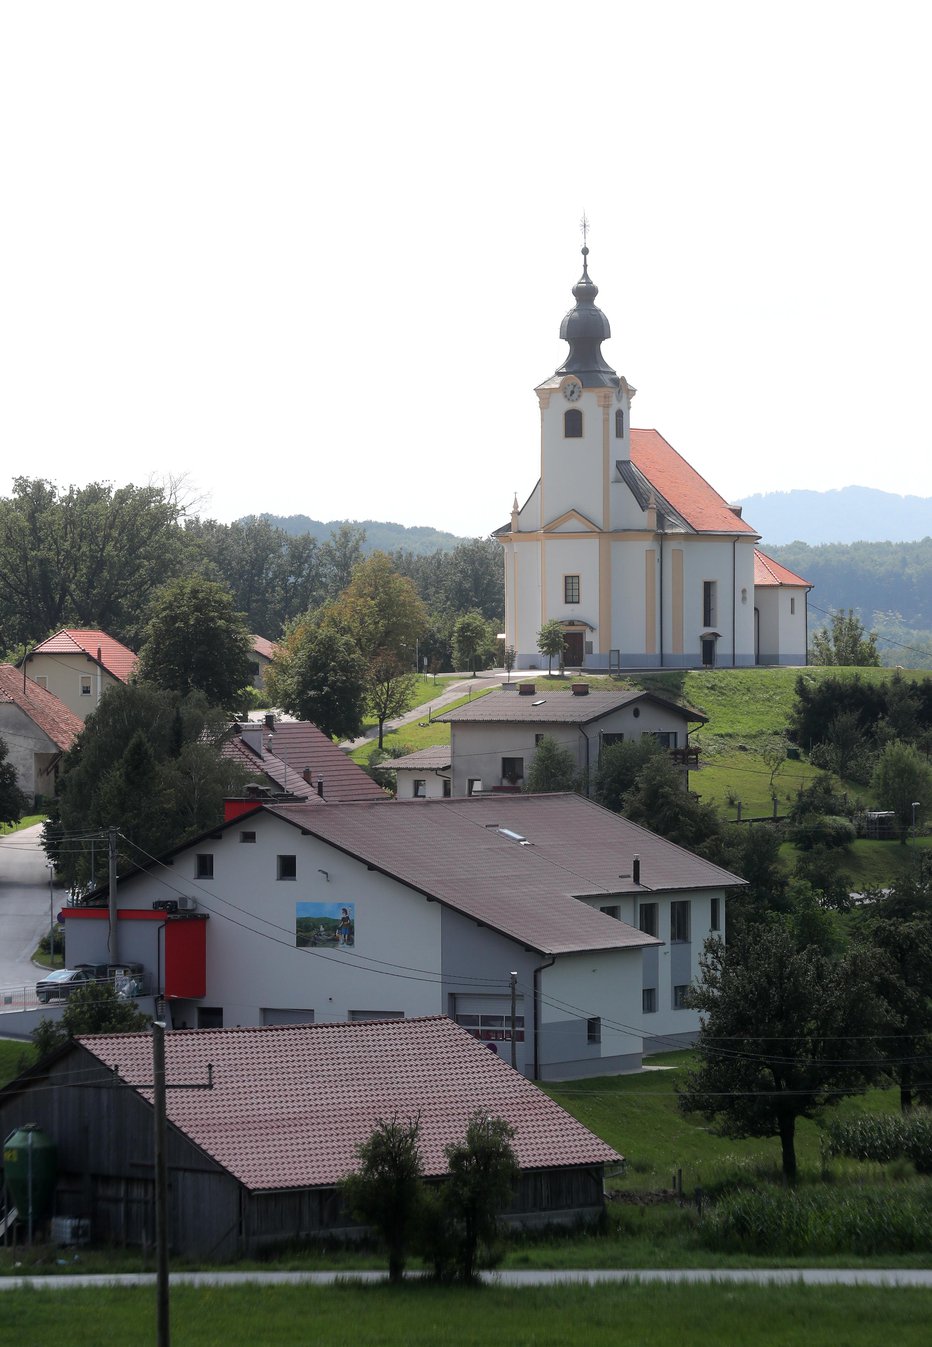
(296, 745)
(770, 572)
(42, 707)
(455, 851)
(291, 1104)
(689, 494)
(263, 647)
(117, 659)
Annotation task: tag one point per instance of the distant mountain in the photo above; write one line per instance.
(380, 537)
(851, 514)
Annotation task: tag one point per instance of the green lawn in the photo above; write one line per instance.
(639, 1315)
(419, 734)
(26, 822)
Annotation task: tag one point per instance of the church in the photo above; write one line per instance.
(640, 560)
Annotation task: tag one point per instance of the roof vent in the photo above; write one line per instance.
(527, 689)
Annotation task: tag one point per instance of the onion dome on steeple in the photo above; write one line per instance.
(585, 327)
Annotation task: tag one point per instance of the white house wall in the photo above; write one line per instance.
(30, 751)
(782, 636)
(583, 987)
(63, 674)
(405, 778)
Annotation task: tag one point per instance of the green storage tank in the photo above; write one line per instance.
(30, 1163)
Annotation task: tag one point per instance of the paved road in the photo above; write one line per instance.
(921, 1277)
(24, 904)
(452, 692)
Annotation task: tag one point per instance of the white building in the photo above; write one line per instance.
(320, 912)
(625, 544)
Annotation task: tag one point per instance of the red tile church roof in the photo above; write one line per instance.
(689, 494)
(770, 572)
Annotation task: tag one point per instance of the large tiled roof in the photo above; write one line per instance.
(526, 885)
(689, 493)
(295, 746)
(548, 706)
(291, 1104)
(42, 707)
(117, 659)
(770, 572)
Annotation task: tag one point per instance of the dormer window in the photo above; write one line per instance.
(619, 424)
(572, 424)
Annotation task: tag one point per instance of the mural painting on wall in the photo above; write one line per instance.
(332, 925)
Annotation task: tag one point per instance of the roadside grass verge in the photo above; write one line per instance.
(418, 734)
(12, 1052)
(25, 822)
(421, 1315)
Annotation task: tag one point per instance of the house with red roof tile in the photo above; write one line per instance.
(626, 545)
(261, 654)
(78, 665)
(37, 729)
(257, 1152)
(298, 759)
(308, 911)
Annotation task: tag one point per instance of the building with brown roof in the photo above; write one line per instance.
(310, 911)
(78, 665)
(255, 1160)
(623, 542)
(261, 654)
(37, 729)
(298, 759)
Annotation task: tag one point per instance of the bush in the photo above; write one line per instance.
(829, 830)
(865, 1223)
(884, 1137)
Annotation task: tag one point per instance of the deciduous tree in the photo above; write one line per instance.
(319, 675)
(196, 642)
(484, 1174)
(386, 1191)
(844, 641)
(473, 642)
(902, 779)
(553, 768)
(550, 640)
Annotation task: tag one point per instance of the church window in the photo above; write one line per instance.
(619, 424)
(708, 603)
(792, 606)
(571, 589)
(572, 424)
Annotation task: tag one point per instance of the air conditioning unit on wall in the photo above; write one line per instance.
(186, 904)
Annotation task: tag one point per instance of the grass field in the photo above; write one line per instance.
(420, 735)
(637, 1315)
(26, 822)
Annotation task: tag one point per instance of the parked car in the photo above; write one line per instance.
(59, 985)
(127, 978)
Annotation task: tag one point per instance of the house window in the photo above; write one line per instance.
(513, 770)
(539, 739)
(286, 867)
(594, 1030)
(85, 685)
(572, 424)
(665, 738)
(473, 785)
(708, 603)
(571, 589)
(714, 917)
(649, 1001)
(447, 788)
(610, 737)
(647, 918)
(614, 911)
(680, 997)
(41, 681)
(204, 866)
(420, 788)
(792, 606)
(679, 921)
(619, 424)
(247, 837)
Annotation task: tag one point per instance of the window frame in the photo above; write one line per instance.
(247, 837)
(86, 691)
(648, 1000)
(573, 423)
(571, 585)
(594, 1030)
(514, 772)
(680, 993)
(680, 908)
(203, 865)
(619, 423)
(419, 788)
(715, 914)
(282, 865)
(709, 603)
(654, 923)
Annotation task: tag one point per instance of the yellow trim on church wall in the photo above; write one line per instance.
(604, 399)
(650, 601)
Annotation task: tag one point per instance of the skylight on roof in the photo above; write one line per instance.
(540, 701)
(510, 833)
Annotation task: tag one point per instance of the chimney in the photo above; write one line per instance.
(636, 870)
(99, 656)
(307, 776)
(270, 720)
(527, 689)
(580, 689)
(737, 510)
(320, 786)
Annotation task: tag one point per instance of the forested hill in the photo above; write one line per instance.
(851, 514)
(380, 537)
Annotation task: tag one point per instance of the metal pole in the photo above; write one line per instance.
(163, 1337)
(514, 1035)
(51, 917)
(112, 899)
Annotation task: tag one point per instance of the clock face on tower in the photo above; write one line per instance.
(572, 391)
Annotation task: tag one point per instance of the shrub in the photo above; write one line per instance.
(829, 830)
(884, 1137)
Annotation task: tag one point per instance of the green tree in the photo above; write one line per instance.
(553, 768)
(319, 675)
(619, 767)
(785, 1033)
(550, 640)
(902, 781)
(13, 801)
(845, 642)
(383, 610)
(148, 763)
(196, 642)
(484, 1174)
(473, 642)
(96, 1008)
(900, 953)
(391, 688)
(386, 1190)
(659, 801)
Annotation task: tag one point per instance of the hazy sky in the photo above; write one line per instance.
(316, 257)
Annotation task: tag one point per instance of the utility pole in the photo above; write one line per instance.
(514, 1006)
(163, 1337)
(112, 899)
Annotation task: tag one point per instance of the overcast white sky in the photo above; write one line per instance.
(316, 257)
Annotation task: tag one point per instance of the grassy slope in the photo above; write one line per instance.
(420, 734)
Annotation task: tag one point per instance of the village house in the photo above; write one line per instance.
(37, 729)
(255, 1159)
(303, 912)
(298, 759)
(626, 545)
(261, 654)
(79, 666)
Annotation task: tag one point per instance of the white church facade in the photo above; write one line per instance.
(623, 543)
